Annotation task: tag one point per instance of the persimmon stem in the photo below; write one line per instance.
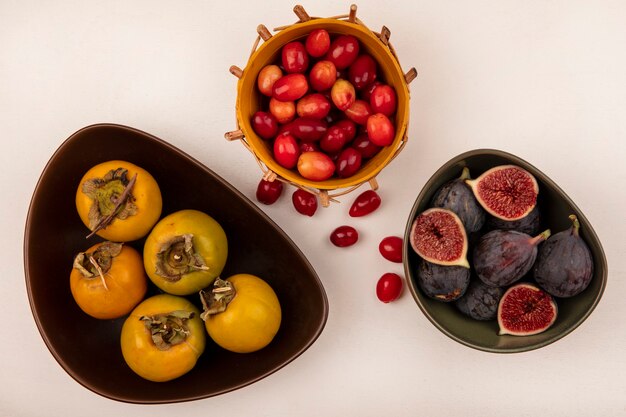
(95, 265)
(121, 200)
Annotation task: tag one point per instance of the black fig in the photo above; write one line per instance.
(442, 283)
(502, 257)
(455, 195)
(480, 301)
(564, 265)
(530, 224)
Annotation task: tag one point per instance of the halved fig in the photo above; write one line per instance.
(438, 236)
(507, 192)
(525, 309)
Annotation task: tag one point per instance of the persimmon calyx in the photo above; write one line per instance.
(111, 198)
(177, 257)
(216, 300)
(168, 329)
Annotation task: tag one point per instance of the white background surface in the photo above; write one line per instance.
(541, 79)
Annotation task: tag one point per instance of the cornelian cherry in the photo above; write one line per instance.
(365, 203)
(286, 150)
(333, 140)
(343, 51)
(349, 128)
(391, 248)
(314, 105)
(389, 287)
(283, 111)
(305, 128)
(316, 166)
(304, 202)
(264, 124)
(323, 75)
(317, 43)
(294, 57)
(268, 192)
(359, 112)
(267, 77)
(362, 72)
(290, 87)
(344, 236)
(380, 130)
(348, 163)
(364, 145)
(383, 100)
(343, 94)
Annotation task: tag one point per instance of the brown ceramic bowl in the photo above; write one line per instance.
(555, 208)
(89, 349)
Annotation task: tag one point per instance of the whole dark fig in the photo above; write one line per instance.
(502, 257)
(442, 283)
(564, 265)
(456, 196)
(480, 301)
(531, 224)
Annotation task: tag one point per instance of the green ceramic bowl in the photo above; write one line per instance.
(555, 208)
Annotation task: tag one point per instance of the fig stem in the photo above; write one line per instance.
(121, 200)
(465, 174)
(541, 237)
(575, 223)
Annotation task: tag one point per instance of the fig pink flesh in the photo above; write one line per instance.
(438, 236)
(525, 310)
(507, 192)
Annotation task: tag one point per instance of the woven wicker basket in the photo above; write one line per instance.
(266, 52)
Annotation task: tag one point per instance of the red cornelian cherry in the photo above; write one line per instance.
(349, 128)
(389, 287)
(380, 130)
(348, 163)
(364, 145)
(323, 75)
(333, 140)
(294, 58)
(267, 77)
(268, 192)
(365, 203)
(359, 112)
(304, 202)
(316, 166)
(309, 147)
(343, 94)
(264, 124)
(314, 105)
(290, 87)
(283, 111)
(343, 51)
(383, 100)
(366, 93)
(305, 128)
(344, 236)
(362, 72)
(391, 248)
(286, 151)
(317, 43)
